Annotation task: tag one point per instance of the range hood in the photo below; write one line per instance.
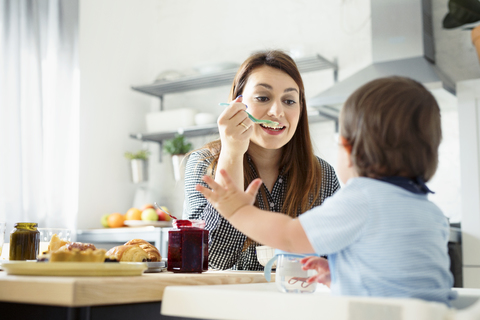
(402, 44)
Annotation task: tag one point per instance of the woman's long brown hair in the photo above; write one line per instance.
(299, 163)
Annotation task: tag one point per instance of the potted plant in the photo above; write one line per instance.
(138, 165)
(177, 148)
(463, 12)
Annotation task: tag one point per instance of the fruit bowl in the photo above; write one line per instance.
(264, 254)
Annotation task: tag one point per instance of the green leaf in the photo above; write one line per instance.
(177, 145)
(141, 155)
(461, 12)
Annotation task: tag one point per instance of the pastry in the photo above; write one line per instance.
(130, 253)
(77, 255)
(55, 243)
(151, 250)
(79, 245)
(61, 250)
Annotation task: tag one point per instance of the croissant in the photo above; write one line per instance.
(127, 254)
(151, 250)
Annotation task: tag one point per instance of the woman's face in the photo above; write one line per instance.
(271, 94)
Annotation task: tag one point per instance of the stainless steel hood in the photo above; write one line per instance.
(402, 44)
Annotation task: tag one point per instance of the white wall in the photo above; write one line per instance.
(130, 42)
(116, 51)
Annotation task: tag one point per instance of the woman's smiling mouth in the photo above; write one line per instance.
(272, 129)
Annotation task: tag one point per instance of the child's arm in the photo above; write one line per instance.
(269, 228)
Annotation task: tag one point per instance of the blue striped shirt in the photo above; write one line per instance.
(382, 240)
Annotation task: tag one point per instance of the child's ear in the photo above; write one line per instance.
(348, 148)
(346, 145)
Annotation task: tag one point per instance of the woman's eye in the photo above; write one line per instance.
(290, 102)
(261, 99)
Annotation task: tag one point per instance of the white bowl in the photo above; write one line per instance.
(202, 119)
(264, 254)
(207, 67)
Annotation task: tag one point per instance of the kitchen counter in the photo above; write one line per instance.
(80, 295)
(107, 238)
(263, 301)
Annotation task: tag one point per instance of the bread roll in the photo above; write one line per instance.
(128, 253)
(151, 250)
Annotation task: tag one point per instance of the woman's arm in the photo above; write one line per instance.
(235, 129)
(195, 169)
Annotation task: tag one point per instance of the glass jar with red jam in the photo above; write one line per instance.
(188, 246)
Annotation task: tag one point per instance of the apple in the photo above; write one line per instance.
(149, 214)
(104, 220)
(165, 209)
(147, 206)
(163, 216)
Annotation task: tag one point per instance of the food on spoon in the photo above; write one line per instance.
(127, 253)
(151, 250)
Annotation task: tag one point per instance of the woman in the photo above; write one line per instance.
(268, 85)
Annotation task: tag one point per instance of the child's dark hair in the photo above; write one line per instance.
(393, 127)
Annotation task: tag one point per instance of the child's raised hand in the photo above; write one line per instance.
(227, 200)
(320, 265)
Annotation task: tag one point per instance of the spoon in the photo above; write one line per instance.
(158, 207)
(273, 123)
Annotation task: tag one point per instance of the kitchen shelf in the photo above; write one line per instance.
(225, 77)
(187, 132)
(201, 130)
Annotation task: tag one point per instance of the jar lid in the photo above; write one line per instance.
(25, 225)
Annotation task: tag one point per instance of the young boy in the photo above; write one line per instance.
(381, 234)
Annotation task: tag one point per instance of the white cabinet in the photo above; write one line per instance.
(468, 95)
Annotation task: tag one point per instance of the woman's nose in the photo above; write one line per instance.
(276, 110)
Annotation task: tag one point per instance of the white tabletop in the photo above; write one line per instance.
(263, 301)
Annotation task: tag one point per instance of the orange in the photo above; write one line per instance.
(115, 220)
(133, 214)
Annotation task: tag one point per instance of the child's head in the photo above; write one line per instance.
(392, 126)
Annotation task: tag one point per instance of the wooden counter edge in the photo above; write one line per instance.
(92, 291)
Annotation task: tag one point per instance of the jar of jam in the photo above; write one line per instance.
(24, 241)
(188, 246)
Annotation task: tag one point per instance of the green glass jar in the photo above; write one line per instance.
(24, 241)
